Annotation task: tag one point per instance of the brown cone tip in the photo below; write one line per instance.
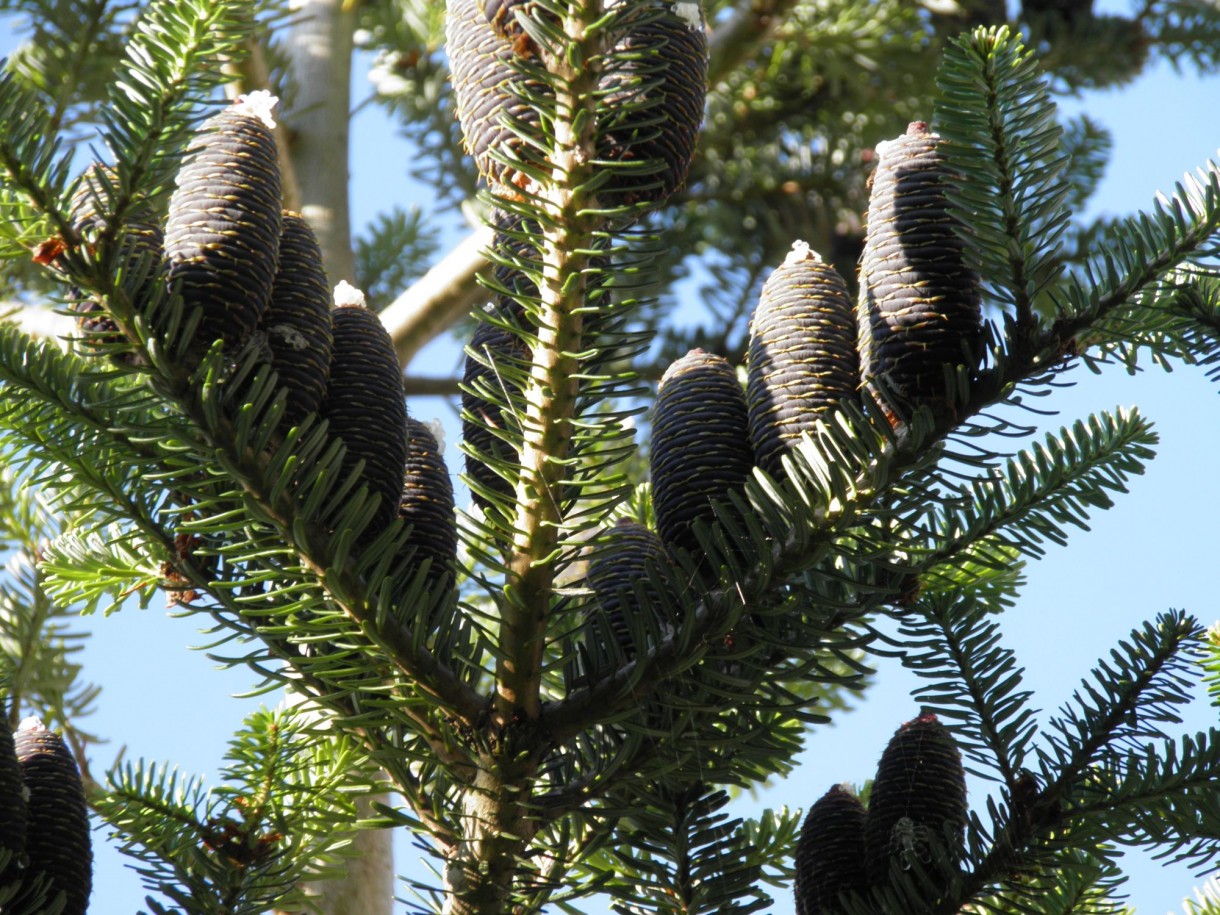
(57, 843)
(918, 797)
(830, 852)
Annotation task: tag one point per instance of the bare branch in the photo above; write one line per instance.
(439, 298)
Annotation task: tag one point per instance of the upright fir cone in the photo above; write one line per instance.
(481, 68)
(802, 356)
(830, 853)
(297, 320)
(13, 814)
(494, 360)
(618, 567)
(427, 504)
(57, 842)
(700, 444)
(918, 310)
(650, 110)
(142, 241)
(364, 403)
(653, 108)
(223, 233)
(918, 802)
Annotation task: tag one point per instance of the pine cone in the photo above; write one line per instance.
(651, 107)
(493, 360)
(615, 571)
(364, 403)
(427, 505)
(142, 238)
(918, 311)
(480, 63)
(14, 817)
(223, 232)
(830, 853)
(802, 357)
(58, 839)
(297, 320)
(636, 101)
(700, 444)
(917, 800)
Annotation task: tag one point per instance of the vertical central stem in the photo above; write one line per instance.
(551, 393)
(499, 817)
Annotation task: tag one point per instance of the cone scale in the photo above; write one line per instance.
(802, 356)
(918, 312)
(223, 231)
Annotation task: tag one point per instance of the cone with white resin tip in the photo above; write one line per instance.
(223, 232)
(297, 323)
(700, 444)
(802, 356)
(917, 807)
(57, 843)
(364, 403)
(830, 853)
(918, 310)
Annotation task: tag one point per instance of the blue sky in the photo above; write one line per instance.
(1154, 550)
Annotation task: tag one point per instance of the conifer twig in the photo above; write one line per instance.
(451, 288)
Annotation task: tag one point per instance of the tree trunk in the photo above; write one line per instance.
(319, 50)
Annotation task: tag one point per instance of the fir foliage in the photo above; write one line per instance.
(540, 769)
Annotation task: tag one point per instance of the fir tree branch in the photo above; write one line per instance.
(1045, 488)
(958, 644)
(449, 290)
(1133, 697)
(1003, 137)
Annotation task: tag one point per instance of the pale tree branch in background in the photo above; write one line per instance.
(318, 44)
(442, 296)
(450, 289)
